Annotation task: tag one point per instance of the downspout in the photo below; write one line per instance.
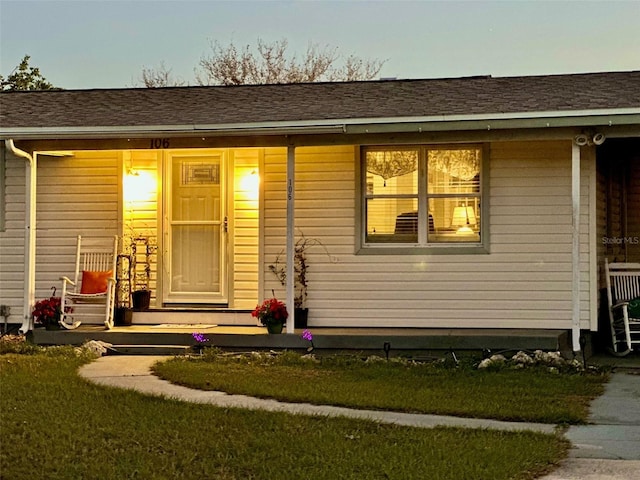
(575, 258)
(29, 234)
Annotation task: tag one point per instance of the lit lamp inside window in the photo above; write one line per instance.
(464, 218)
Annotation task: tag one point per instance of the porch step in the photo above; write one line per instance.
(149, 350)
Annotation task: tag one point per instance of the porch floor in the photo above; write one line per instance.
(398, 340)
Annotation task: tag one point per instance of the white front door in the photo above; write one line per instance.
(194, 228)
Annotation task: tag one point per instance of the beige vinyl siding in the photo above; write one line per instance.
(525, 281)
(324, 205)
(76, 196)
(80, 195)
(12, 238)
(274, 214)
(140, 215)
(245, 227)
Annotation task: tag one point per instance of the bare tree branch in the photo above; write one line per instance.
(160, 76)
(271, 63)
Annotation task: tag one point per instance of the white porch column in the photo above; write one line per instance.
(575, 260)
(291, 177)
(29, 234)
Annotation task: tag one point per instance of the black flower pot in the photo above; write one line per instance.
(122, 317)
(300, 317)
(141, 299)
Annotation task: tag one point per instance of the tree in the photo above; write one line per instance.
(271, 63)
(159, 77)
(24, 77)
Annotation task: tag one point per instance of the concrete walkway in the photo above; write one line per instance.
(607, 450)
(609, 447)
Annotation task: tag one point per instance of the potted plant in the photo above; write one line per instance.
(278, 268)
(46, 312)
(272, 313)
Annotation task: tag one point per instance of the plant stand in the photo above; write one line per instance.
(122, 315)
(141, 251)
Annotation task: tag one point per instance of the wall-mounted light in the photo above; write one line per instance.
(585, 139)
(139, 186)
(250, 184)
(598, 139)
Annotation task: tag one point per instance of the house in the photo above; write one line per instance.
(478, 202)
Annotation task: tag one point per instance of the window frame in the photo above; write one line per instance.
(416, 248)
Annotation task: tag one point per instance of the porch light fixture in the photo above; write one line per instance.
(250, 184)
(139, 186)
(585, 139)
(463, 218)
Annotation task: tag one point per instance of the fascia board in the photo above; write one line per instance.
(583, 118)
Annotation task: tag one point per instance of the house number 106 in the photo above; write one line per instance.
(159, 143)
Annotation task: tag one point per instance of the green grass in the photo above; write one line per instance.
(532, 394)
(56, 425)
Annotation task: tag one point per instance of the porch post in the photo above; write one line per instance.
(575, 260)
(291, 176)
(29, 233)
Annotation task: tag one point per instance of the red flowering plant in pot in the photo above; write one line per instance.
(272, 313)
(46, 312)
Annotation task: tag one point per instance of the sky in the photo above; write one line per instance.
(106, 44)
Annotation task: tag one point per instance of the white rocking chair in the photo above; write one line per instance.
(91, 293)
(623, 286)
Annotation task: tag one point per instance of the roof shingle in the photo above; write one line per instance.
(252, 104)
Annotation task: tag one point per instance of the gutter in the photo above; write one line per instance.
(433, 123)
(29, 234)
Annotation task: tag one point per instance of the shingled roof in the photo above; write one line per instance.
(318, 102)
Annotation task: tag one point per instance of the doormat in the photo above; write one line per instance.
(197, 326)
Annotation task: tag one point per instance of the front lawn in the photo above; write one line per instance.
(529, 394)
(55, 425)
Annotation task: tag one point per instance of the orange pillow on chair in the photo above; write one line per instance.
(95, 282)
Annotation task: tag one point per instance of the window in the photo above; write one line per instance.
(422, 196)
